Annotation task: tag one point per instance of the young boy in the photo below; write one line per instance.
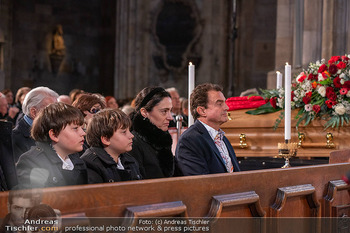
(59, 135)
(109, 136)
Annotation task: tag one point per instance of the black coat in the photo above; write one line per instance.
(102, 168)
(41, 167)
(152, 149)
(8, 176)
(21, 140)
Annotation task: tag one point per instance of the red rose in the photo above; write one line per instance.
(273, 102)
(334, 59)
(312, 77)
(347, 84)
(324, 75)
(341, 65)
(302, 78)
(345, 58)
(333, 69)
(309, 94)
(306, 99)
(316, 108)
(322, 68)
(336, 82)
(330, 93)
(292, 95)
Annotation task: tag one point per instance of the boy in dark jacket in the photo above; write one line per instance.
(109, 136)
(54, 161)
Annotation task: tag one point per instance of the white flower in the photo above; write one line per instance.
(339, 109)
(320, 77)
(308, 107)
(342, 76)
(348, 94)
(342, 81)
(322, 91)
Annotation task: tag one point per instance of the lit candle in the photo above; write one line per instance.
(279, 80)
(190, 89)
(287, 102)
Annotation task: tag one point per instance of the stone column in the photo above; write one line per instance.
(312, 34)
(284, 39)
(132, 56)
(327, 28)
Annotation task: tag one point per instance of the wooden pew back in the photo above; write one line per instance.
(298, 191)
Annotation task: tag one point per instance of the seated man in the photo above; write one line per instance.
(203, 148)
(33, 103)
(109, 135)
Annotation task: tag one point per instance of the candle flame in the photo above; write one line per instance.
(277, 72)
(286, 63)
(190, 64)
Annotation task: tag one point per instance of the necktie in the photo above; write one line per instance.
(220, 144)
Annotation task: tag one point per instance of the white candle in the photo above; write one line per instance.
(287, 102)
(190, 89)
(279, 80)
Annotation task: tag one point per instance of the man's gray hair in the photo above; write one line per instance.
(35, 97)
(171, 89)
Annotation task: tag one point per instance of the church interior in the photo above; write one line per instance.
(118, 47)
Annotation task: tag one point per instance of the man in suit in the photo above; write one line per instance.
(203, 148)
(36, 100)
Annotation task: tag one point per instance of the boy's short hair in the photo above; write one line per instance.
(104, 124)
(55, 116)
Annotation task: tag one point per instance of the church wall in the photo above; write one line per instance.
(89, 37)
(140, 60)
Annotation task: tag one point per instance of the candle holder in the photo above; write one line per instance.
(287, 150)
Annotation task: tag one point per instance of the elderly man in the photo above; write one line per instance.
(203, 148)
(37, 99)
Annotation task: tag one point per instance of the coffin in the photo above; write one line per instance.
(254, 136)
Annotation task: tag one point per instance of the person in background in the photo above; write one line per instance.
(7, 113)
(64, 99)
(184, 111)
(37, 99)
(20, 95)
(9, 96)
(111, 102)
(109, 136)
(152, 141)
(176, 110)
(75, 94)
(89, 104)
(203, 147)
(54, 161)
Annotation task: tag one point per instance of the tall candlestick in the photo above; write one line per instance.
(287, 102)
(279, 80)
(190, 89)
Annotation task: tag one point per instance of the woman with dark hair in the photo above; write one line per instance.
(89, 104)
(152, 141)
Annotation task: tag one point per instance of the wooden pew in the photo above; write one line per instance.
(311, 191)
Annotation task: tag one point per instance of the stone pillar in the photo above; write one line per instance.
(312, 34)
(285, 33)
(132, 56)
(327, 28)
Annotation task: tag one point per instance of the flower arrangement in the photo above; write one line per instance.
(322, 91)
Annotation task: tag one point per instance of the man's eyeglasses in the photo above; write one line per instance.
(94, 110)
